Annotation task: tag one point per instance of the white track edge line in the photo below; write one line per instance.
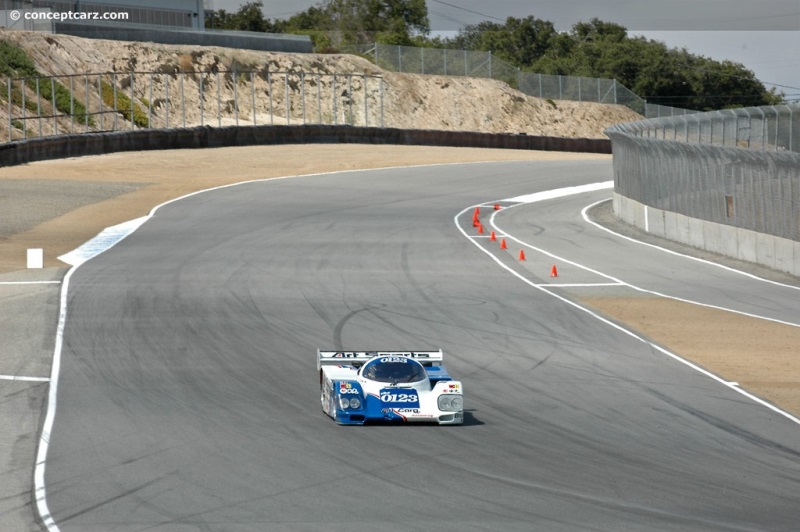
(10, 283)
(40, 491)
(23, 379)
(638, 288)
(585, 215)
(629, 332)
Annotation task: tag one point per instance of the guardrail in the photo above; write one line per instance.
(727, 181)
(775, 127)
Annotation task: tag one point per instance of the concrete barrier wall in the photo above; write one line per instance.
(772, 251)
(26, 151)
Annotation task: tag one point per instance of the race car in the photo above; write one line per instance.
(358, 387)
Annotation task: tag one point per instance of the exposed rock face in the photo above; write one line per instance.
(265, 87)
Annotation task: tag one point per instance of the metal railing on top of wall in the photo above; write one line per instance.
(115, 101)
(737, 167)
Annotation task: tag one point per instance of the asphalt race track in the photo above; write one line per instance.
(188, 397)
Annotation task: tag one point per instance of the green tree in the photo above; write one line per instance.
(661, 75)
(517, 41)
(363, 21)
(249, 17)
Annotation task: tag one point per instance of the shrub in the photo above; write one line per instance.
(122, 104)
(15, 63)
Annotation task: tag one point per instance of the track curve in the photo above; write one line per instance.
(188, 398)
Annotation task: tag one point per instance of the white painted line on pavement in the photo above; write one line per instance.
(106, 239)
(91, 249)
(26, 379)
(546, 288)
(9, 283)
(585, 215)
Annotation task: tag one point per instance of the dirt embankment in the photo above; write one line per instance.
(187, 75)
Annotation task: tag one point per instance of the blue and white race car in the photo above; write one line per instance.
(368, 386)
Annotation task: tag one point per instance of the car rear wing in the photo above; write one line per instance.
(356, 358)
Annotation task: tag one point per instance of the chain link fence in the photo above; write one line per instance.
(737, 167)
(445, 62)
(114, 101)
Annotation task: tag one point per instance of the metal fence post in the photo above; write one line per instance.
(39, 106)
(183, 102)
(200, 96)
(150, 103)
(235, 96)
(10, 120)
(116, 110)
(71, 104)
(55, 109)
(269, 88)
(253, 94)
(24, 113)
(219, 103)
(382, 101)
(166, 99)
(86, 114)
(335, 110)
(366, 95)
(286, 97)
(100, 97)
(319, 96)
(350, 97)
(303, 94)
(133, 123)
(777, 119)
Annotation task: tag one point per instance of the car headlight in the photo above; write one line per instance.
(349, 402)
(457, 403)
(451, 403)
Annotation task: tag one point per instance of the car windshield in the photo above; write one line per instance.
(394, 370)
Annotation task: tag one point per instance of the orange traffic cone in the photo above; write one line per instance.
(553, 271)
(496, 207)
(476, 213)
(522, 254)
(503, 244)
(480, 228)
(493, 237)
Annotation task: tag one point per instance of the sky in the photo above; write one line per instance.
(763, 35)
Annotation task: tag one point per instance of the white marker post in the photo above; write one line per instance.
(35, 258)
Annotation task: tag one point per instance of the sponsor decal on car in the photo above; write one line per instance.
(347, 388)
(399, 398)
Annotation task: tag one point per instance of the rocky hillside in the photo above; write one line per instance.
(275, 92)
